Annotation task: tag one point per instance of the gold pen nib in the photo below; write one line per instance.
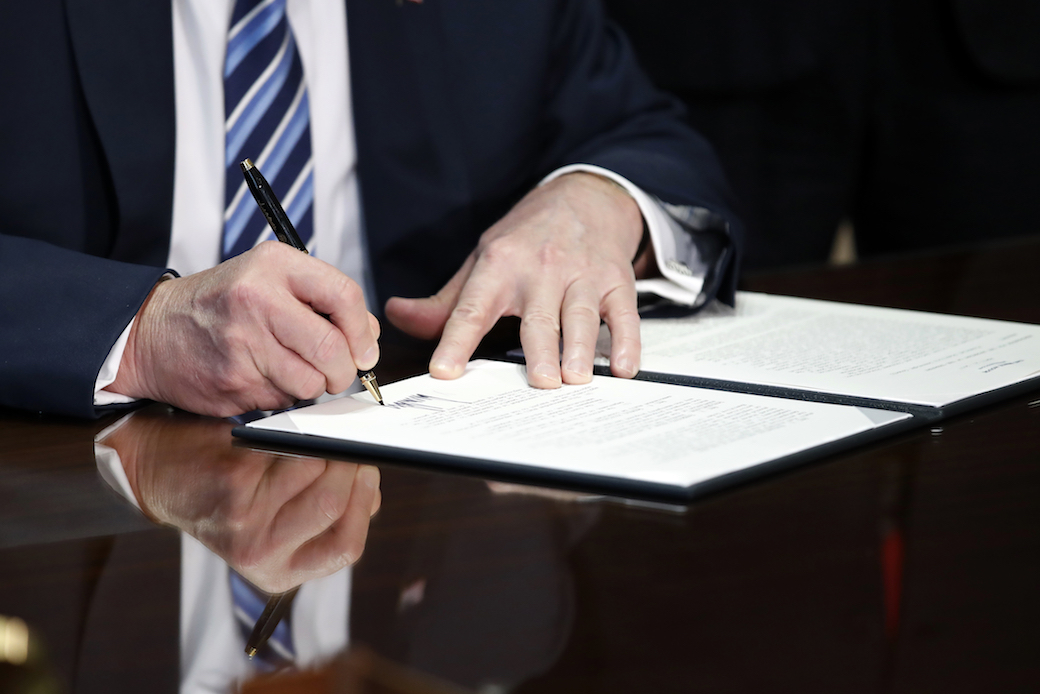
(368, 379)
(250, 652)
(247, 164)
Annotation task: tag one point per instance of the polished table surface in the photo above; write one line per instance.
(910, 565)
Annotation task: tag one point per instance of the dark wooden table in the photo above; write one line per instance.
(912, 565)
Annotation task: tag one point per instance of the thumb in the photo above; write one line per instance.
(425, 318)
(422, 318)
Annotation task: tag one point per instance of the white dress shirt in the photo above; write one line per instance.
(320, 26)
(200, 29)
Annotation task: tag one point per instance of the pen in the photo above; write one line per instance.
(286, 233)
(276, 608)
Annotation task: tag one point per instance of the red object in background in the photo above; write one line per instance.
(892, 579)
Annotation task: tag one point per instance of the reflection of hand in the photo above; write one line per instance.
(544, 492)
(561, 259)
(277, 520)
(244, 335)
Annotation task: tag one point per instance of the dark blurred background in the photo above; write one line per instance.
(909, 124)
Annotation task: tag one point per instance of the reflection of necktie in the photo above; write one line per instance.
(249, 602)
(267, 120)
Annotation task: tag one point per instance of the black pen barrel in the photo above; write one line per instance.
(271, 208)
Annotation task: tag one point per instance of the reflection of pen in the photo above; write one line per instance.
(276, 608)
(286, 233)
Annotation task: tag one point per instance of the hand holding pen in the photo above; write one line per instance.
(285, 232)
(244, 335)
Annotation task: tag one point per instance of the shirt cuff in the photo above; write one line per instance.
(110, 467)
(109, 369)
(682, 278)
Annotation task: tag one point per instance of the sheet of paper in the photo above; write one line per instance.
(887, 354)
(635, 430)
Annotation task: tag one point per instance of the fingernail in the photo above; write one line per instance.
(371, 355)
(578, 368)
(626, 366)
(547, 372)
(369, 477)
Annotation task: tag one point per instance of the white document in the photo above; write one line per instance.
(846, 349)
(634, 430)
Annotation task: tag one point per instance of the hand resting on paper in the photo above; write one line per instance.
(278, 521)
(245, 335)
(561, 260)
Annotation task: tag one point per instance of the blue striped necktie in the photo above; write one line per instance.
(267, 119)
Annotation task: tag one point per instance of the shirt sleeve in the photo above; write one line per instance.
(109, 465)
(109, 369)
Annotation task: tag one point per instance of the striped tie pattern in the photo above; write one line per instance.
(249, 603)
(267, 119)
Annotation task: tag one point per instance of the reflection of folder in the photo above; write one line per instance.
(722, 397)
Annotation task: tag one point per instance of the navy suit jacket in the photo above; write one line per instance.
(460, 107)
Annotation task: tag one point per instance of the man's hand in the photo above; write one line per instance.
(245, 335)
(277, 520)
(560, 260)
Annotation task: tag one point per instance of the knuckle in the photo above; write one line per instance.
(232, 381)
(338, 383)
(279, 582)
(348, 290)
(328, 348)
(311, 386)
(625, 314)
(549, 255)
(582, 312)
(469, 314)
(487, 239)
(235, 339)
(267, 260)
(248, 557)
(620, 302)
(330, 505)
(502, 250)
(238, 519)
(221, 409)
(247, 297)
(542, 319)
(267, 400)
(266, 250)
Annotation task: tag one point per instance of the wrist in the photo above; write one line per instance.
(624, 210)
(132, 376)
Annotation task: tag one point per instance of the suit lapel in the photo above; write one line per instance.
(124, 54)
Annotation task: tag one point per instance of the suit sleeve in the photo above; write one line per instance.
(603, 111)
(61, 312)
